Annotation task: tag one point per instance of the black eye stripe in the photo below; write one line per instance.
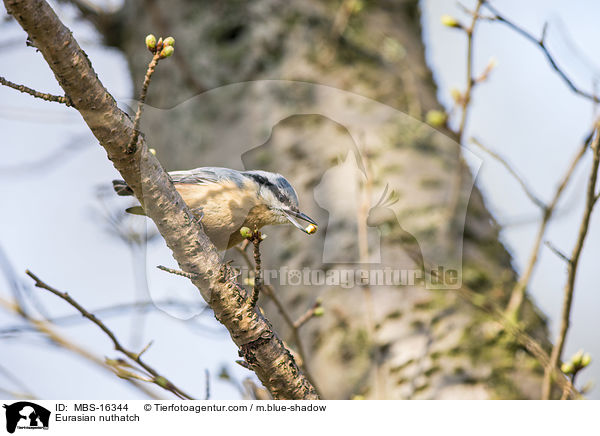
(271, 187)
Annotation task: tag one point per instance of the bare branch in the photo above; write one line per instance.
(25, 392)
(464, 103)
(48, 97)
(308, 315)
(487, 305)
(572, 267)
(556, 251)
(136, 357)
(58, 340)
(16, 394)
(466, 97)
(529, 343)
(528, 191)
(157, 15)
(258, 284)
(207, 377)
(541, 43)
(177, 272)
(108, 311)
(138, 113)
(518, 292)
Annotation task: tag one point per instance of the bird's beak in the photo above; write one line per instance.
(292, 215)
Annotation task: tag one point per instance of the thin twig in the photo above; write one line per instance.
(572, 267)
(541, 43)
(157, 379)
(518, 292)
(117, 309)
(487, 305)
(308, 315)
(15, 394)
(148, 345)
(25, 392)
(466, 97)
(158, 15)
(530, 344)
(565, 392)
(48, 97)
(556, 251)
(207, 392)
(534, 198)
(177, 272)
(132, 147)
(464, 104)
(256, 240)
(60, 341)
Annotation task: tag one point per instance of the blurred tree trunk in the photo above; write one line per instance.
(379, 341)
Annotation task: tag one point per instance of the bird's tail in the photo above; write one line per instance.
(122, 188)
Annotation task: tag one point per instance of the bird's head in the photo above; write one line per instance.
(281, 199)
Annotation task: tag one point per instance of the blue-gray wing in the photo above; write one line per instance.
(207, 175)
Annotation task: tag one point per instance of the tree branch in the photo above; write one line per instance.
(294, 326)
(534, 198)
(136, 357)
(518, 292)
(60, 341)
(572, 267)
(483, 302)
(258, 282)
(48, 97)
(260, 346)
(466, 98)
(116, 309)
(541, 43)
(464, 103)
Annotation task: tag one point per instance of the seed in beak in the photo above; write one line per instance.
(310, 229)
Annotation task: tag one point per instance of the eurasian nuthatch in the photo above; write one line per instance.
(227, 200)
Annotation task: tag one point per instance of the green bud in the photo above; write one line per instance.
(586, 360)
(169, 42)
(319, 311)
(224, 374)
(246, 232)
(567, 368)
(151, 42)
(456, 94)
(450, 21)
(436, 118)
(161, 381)
(167, 51)
(577, 358)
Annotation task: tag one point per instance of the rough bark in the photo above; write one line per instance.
(417, 343)
(195, 254)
